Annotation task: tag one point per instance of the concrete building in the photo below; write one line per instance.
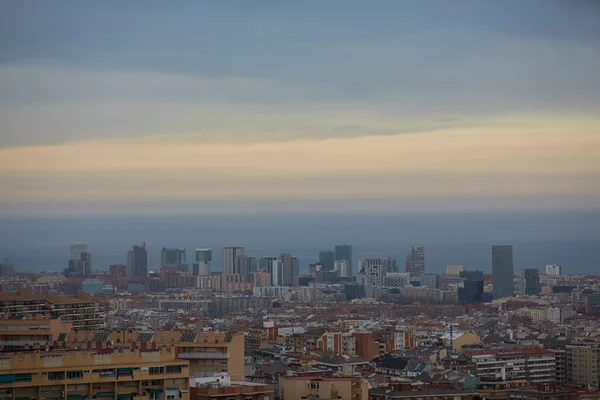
(534, 365)
(307, 387)
(502, 271)
(371, 274)
(277, 273)
(80, 261)
(287, 276)
(454, 270)
(203, 264)
(228, 258)
(82, 311)
(344, 252)
(121, 372)
(342, 268)
(415, 262)
(396, 279)
(138, 261)
(220, 387)
(431, 281)
(582, 363)
(554, 270)
(172, 256)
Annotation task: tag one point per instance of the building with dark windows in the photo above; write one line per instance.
(327, 258)
(532, 281)
(228, 258)
(344, 252)
(502, 271)
(415, 262)
(138, 261)
(470, 290)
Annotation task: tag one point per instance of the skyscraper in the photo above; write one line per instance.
(344, 252)
(228, 258)
(277, 273)
(139, 261)
(172, 256)
(502, 271)
(295, 270)
(470, 290)
(80, 261)
(532, 281)
(241, 267)
(327, 258)
(432, 281)
(415, 262)
(554, 270)
(286, 260)
(204, 261)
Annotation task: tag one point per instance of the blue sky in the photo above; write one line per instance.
(246, 80)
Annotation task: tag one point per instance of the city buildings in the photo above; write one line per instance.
(221, 386)
(470, 290)
(534, 365)
(203, 265)
(342, 268)
(80, 261)
(454, 270)
(286, 265)
(326, 388)
(327, 259)
(554, 270)
(138, 261)
(172, 256)
(415, 262)
(344, 252)
(229, 255)
(532, 281)
(502, 271)
(431, 281)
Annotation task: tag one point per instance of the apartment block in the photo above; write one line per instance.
(82, 311)
(534, 365)
(222, 387)
(582, 362)
(32, 332)
(306, 387)
(98, 373)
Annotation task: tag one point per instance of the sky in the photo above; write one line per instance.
(153, 107)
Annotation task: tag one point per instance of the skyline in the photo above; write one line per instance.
(229, 108)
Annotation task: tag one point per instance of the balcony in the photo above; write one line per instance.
(205, 355)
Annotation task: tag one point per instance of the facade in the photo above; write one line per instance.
(138, 261)
(228, 258)
(96, 373)
(286, 261)
(221, 387)
(534, 365)
(327, 258)
(80, 261)
(172, 256)
(82, 311)
(371, 273)
(532, 281)
(306, 387)
(431, 281)
(344, 252)
(454, 270)
(203, 262)
(415, 262)
(582, 363)
(502, 271)
(554, 270)
(342, 268)
(277, 273)
(470, 290)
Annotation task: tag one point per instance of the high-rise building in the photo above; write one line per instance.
(277, 273)
(286, 260)
(371, 273)
(295, 270)
(344, 252)
(453, 270)
(415, 262)
(172, 256)
(241, 267)
(432, 281)
(327, 258)
(138, 261)
(470, 290)
(204, 261)
(342, 268)
(554, 270)
(252, 264)
(502, 271)
(228, 258)
(80, 261)
(532, 281)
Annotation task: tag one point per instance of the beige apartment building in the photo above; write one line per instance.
(104, 373)
(303, 387)
(582, 362)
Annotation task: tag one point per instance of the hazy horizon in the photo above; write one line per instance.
(263, 106)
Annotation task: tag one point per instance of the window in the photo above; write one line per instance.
(74, 374)
(53, 376)
(157, 370)
(314, 385)
(173, 369)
